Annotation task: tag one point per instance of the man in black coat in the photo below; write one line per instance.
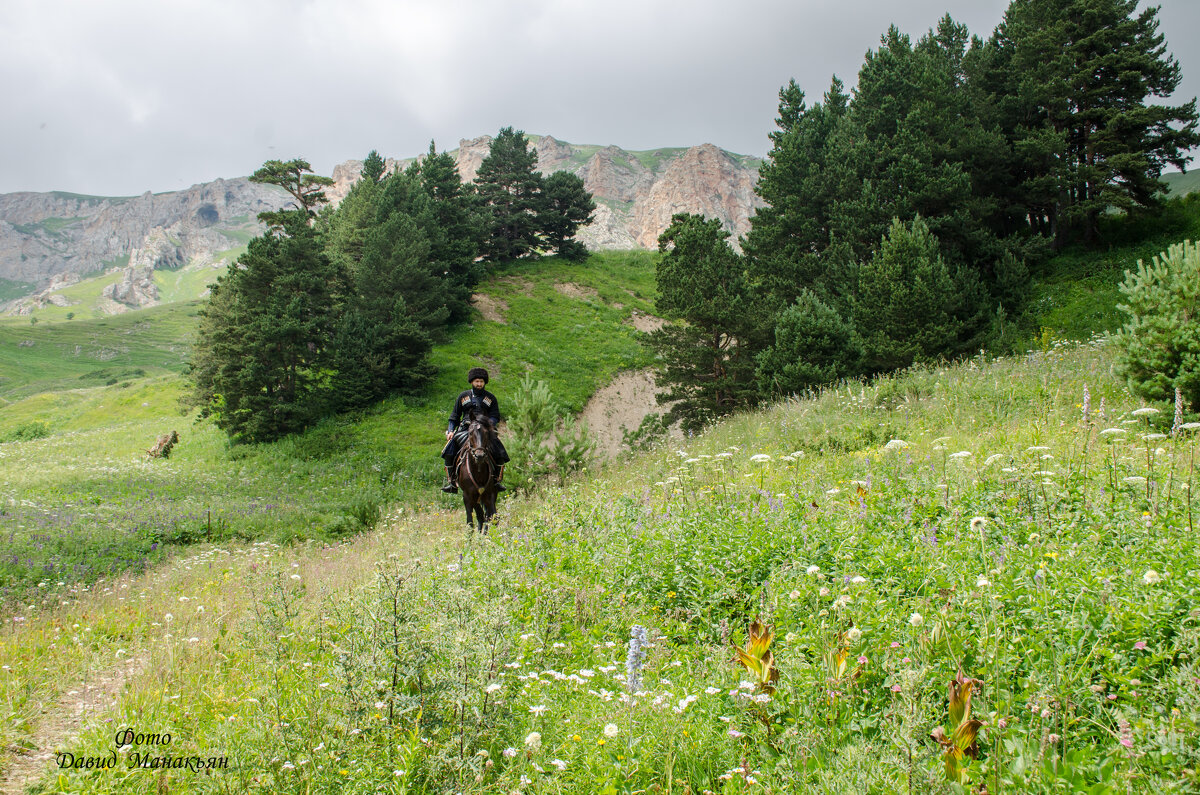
(478, 400)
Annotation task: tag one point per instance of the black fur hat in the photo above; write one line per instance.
(477, 372)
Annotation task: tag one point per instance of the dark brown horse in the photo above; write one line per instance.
(476, 471)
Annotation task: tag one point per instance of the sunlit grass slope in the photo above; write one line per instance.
(85, 500)
(1025, 522)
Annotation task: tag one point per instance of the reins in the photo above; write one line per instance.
(464, 455)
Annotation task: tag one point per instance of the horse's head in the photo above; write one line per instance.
(480, 434)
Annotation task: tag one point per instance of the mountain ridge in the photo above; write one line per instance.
(52, 239)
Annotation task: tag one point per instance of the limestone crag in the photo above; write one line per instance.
(136, 289)
(43, 234)
(703, 180)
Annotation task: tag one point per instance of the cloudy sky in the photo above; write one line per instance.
(116, 97)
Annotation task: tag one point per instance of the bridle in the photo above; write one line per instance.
(474, 452)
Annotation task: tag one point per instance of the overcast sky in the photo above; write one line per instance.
(116, 97)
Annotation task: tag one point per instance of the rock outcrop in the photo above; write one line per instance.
(45, 234)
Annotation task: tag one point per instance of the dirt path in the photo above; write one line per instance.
(94, 695)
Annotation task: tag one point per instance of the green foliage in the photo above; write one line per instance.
(543, 438)
(262, 350)
(1087, 135)
(26, 432)
(567, 207)
(295, 177)
(705, 358)
(511, 191)
(814, 345)
(1160, 341)
(651, 432)
(904, 302)
(373, 166)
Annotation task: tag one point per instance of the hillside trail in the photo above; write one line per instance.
(97, 691)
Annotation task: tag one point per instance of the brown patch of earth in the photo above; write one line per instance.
(645, 323)
(492, 309)
(618, 407)
(572, 290)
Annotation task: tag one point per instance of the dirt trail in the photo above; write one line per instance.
(62, 721)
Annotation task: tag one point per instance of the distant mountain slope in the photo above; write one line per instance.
(48, 240)
(1182, 184)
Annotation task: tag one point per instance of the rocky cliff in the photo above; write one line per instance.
(48, 239)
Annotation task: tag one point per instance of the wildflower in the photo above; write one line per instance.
(794, 595)
(169, 618)
(1141, 644)
(492, 688)
(1153, 437)
(858, 579)
(1112, 431)
(842, 601)
(560, 764)
(823, 592)
(1151, 577)
(896, 688)
(1087, 402)
(916, 619)
(1145, 411)
(862, 659)
(982, 582)
(538, 709)
(509, 753)
(961, 454)
(637, 655)
(735, 734)
(895, 444)
(533, 741)
(854, 634)
(811, 570)
(1189, 426)
(993, 458)
(761, 458)
(295, 576)
(610, 730)
(978, 523)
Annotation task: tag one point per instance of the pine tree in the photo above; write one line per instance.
(813, 346)
(511, 191)
(373, 167)
(705, 352)
(262, 350)
(1074, 77)
(566, 207)
(905, 301)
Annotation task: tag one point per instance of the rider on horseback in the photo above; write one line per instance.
(474, 400)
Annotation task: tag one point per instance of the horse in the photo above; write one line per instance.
(476, 471)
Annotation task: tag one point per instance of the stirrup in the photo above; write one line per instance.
(450, 487)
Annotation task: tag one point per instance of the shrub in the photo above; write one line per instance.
(26, 432)
(1159, 345)
(813, 346)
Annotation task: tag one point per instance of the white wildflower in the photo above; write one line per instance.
(533, 740)
(610, 730)
(1151, 577)
(1145, 411)
(916, 619)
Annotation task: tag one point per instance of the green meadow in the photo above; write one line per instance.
(311, 615)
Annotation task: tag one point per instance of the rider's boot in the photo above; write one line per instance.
(451, 487)
(499, 475)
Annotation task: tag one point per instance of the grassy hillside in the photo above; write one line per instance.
(1182, 184)
(1076, 292)
(975, 519)
(84, 501)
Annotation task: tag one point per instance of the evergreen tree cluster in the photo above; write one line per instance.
(902, 219)
(333, 309)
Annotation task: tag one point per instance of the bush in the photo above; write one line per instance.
(543, 438)
(26, 432)
(813, 346)
(1159, 345)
